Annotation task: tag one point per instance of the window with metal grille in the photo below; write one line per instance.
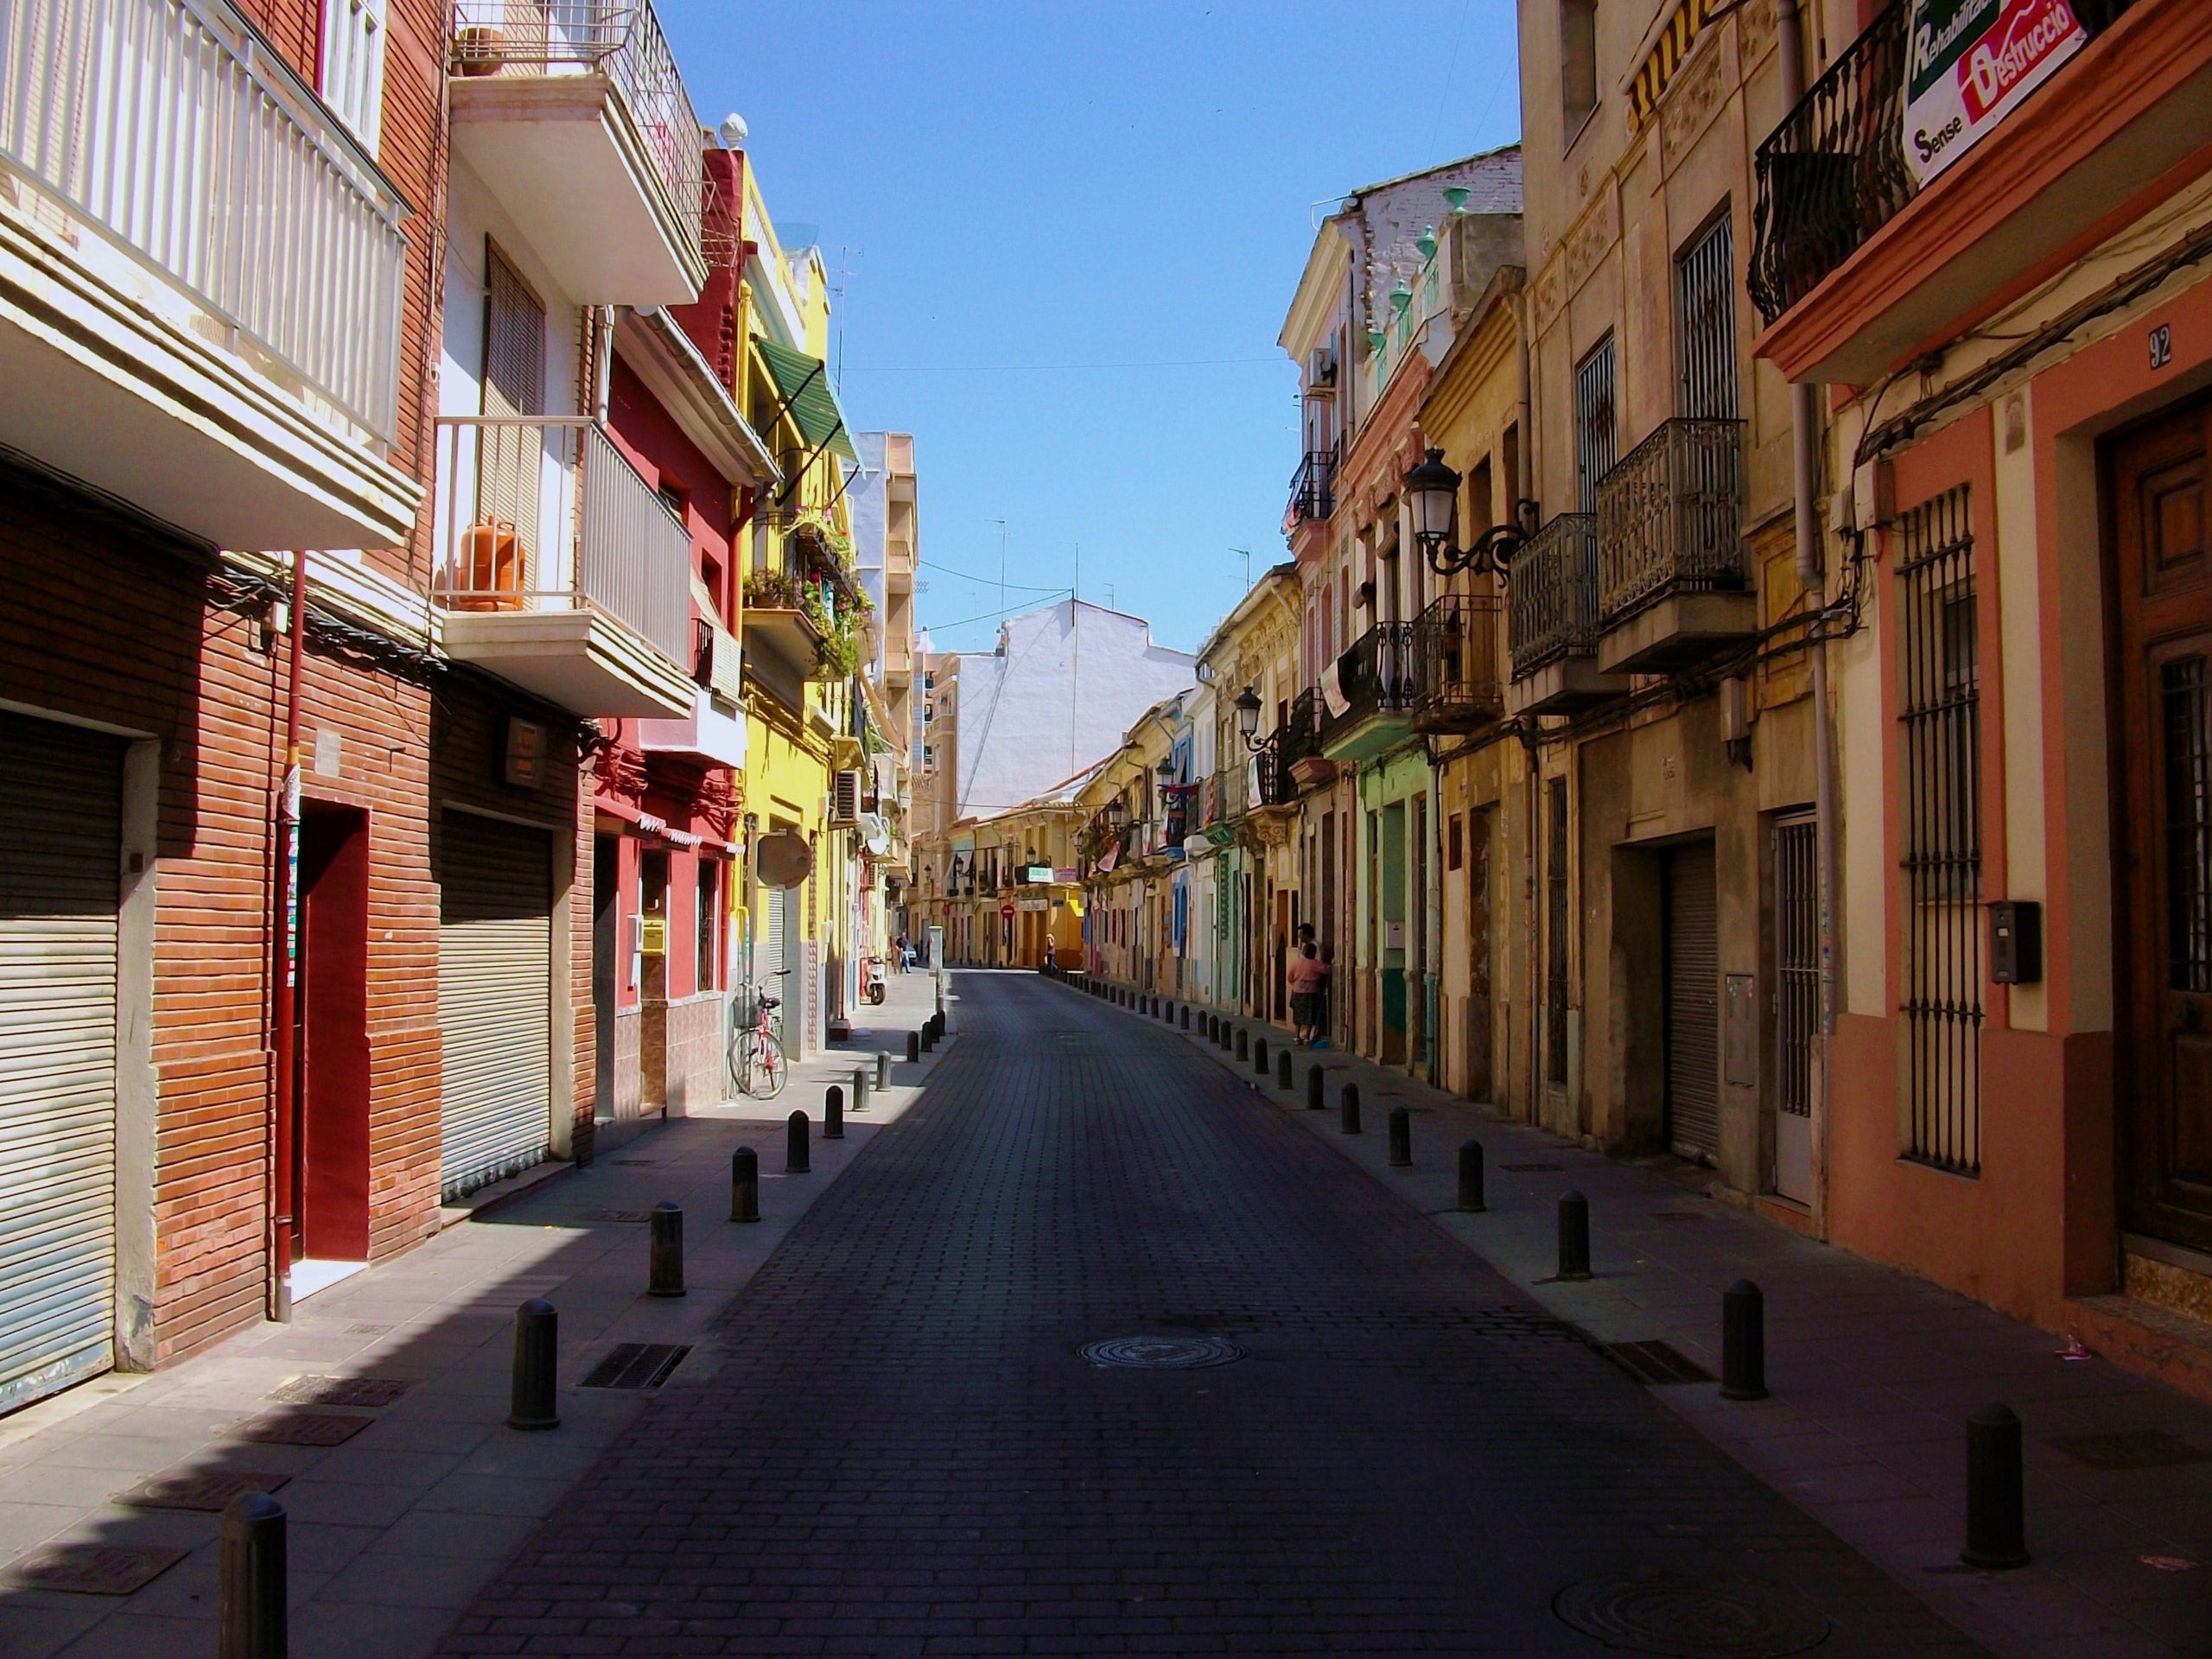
(1555, 928)
(1595, 441)
(1705, 317)
(1942, 761)
(1797, 965)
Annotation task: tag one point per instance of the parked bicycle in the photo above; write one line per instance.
(755, 1049)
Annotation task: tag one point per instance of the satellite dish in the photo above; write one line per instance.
(733, 130)
(783, 858)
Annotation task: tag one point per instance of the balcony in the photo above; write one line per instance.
(1457, 685)
(1368, 694)
(1671, 560)
(559, 569)
(573, 114)
(713, 734)
(1551, 622)
(199, 275)
(783, 638)
(1859, 267)
(1313, 489)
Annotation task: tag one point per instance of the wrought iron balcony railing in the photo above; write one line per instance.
(1552, 600)
(1670, 518)
(1376, 675)
(1833, 171)
(1313, 488)
(172, 130)
(1456, 678)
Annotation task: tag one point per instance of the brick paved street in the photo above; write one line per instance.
(889, 1443)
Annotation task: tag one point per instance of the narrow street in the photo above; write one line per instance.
(892, 1442)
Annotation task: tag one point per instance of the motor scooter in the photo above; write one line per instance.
(872, 980)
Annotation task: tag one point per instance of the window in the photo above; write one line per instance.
(1704, 320)
(1481, 507)
(709, 916)
(509, 458)
(1797, 964)
(1577, 63)
(1940, 756)
(1454, 844)
(1509, 449)
(1594, 426)
(1555, 915)
(351, 70)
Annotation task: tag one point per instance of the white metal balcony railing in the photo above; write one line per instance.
(619, 39)
(504, 542)
(172, 129)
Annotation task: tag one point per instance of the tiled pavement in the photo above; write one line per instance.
(1873, 1373)
(889, 1443)
(394, 1531)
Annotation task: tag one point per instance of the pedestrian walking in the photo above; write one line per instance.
(1051, 956)
(905, 954)
(1307, 976)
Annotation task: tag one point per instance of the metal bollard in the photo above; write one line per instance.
(1187, 1016)
(1169, 1016)
(252, 1596)
(1317, 1090)
(1348, 1109)
(1213, 1027)
(1260, 1056)
(664, 1254)
(745, 1185)
(1742, 1342)
(1151, 1007)
(929, 1033)
(882, 1069)
(538, 1366)
(1573, 1236)
(913, 1046)
(1470, 1176)
(795, 1146)
(1282, 1068)
(833, 1113)
(1996, 1505)
(860, 1089)
(1242, 1042)
(1401, 1138)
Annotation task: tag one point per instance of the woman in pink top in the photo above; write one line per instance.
(1306, 975)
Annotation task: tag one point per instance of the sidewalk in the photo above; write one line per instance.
(1872, 1374)
(404, 1489)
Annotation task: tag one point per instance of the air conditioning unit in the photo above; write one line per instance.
(844, 800)
(1321, 368)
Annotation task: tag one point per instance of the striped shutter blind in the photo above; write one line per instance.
(495, 952)
(60, 841)
(1693, 1003)
(509, 458)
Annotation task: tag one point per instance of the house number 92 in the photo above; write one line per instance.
(2162, 346)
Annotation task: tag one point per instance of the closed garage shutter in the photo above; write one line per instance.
(1693, 1003)
(61, 831)
(495, 953)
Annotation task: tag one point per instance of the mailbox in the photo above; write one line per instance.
(2016, 941)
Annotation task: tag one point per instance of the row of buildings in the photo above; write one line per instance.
(455, 640)
(1739, 686)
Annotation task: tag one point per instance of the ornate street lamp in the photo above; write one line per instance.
(1247, 707)
(1117, 814)
(1433, 494)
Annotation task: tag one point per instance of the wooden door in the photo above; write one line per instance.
(2155, 478)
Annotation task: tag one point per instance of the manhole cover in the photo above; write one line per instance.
(94, 1569)
(1693, 1618)
(636, 1365)
(2139, 1448)
(302, 1428)
(340, 1391)
(207, 1489)
(1654, 1363)
(1161, 1353)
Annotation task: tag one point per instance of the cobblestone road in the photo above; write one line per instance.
(892, 1446)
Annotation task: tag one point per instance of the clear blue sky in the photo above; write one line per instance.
(1087, 184)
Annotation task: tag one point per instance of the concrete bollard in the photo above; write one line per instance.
(538, 1366)
(1996, 1505)
(1348, 1109)
(795, 1151)
(252, 1598)
(929, 1033)
(833, 1113)
(1243, 1041)
(1169, 1014)
(1317, 1090)
(1282, 1068)
(1471, 1177)
(882, 1069)
(1213, 1027)
(1187, 1016)
(1573, 1236)
(745, 1185)
(1742, 1342)
(913, 1046)
(664, 1254)
(1401, 1138)
(860, 1089)
(1260, 1057)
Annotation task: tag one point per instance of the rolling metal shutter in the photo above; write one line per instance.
(1693, 1003)
(60, 840)
(495, 954)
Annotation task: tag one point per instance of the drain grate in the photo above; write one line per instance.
(636, 1365)
(1657, 1612)
(1656, 1364)
(302, 1428)
(94, 1569)
(2138, 1448)
(1532, 1169)
(341, 1391)
(1161, 1353)
(205, 1488)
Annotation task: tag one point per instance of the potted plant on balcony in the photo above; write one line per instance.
(478, 48)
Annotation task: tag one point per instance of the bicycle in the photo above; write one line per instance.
(755, 1052)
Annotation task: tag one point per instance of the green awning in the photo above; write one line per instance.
(803, 383)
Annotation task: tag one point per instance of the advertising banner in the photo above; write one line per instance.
(1968, 65)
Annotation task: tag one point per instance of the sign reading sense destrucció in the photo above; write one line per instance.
(1970, 64)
